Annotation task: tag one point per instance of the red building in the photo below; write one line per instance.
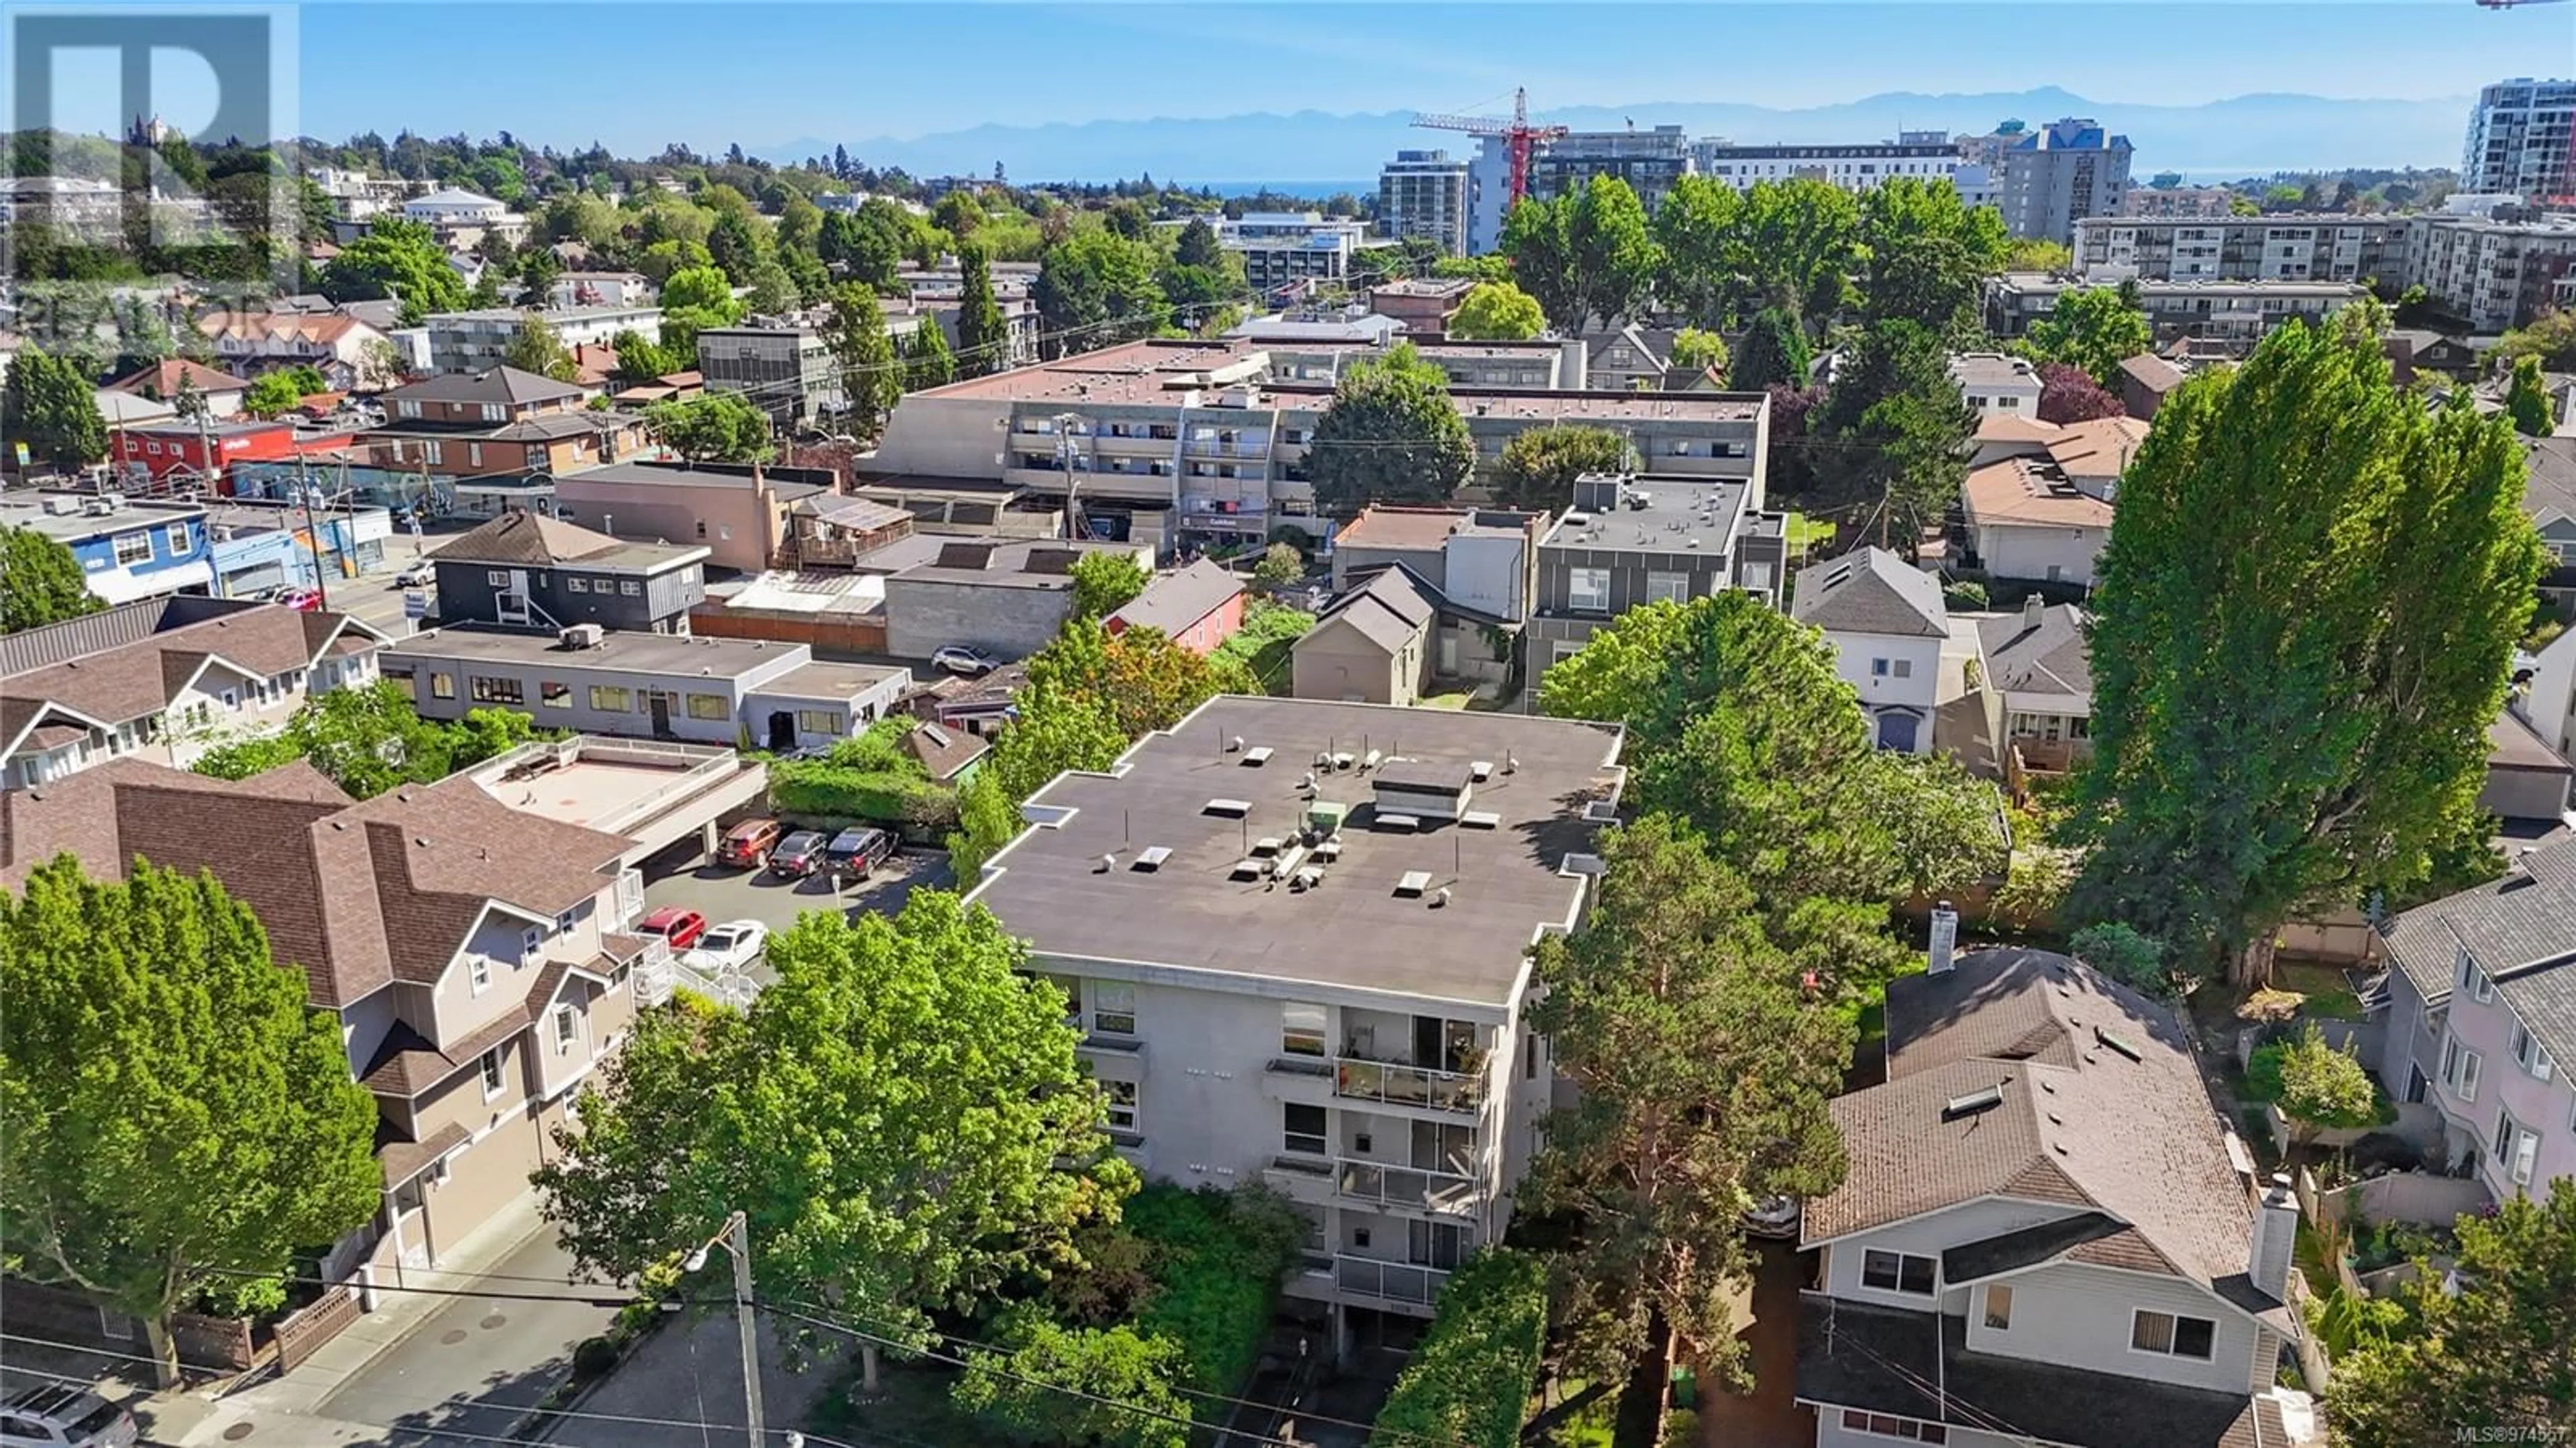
(164, 448)
(1200, 607)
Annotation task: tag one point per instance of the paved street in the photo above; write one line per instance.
(683, 1389)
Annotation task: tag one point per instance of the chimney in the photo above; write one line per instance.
(2033, 609)
(1945, 938)
(2276, 1230)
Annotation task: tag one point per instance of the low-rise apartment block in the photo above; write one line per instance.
(1288, 253)
(505, 430)
(164, 680)
(786, 371)
(478, 341)
(2236, 312)
(1923, 155)
(528, 571)
(2243, 248)
(1295, 937)
(1631, 540)
(2491, 273)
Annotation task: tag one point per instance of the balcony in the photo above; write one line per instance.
(1299, 1179)
(1388, 1281)
(1390, 1084)
(1408, 1188)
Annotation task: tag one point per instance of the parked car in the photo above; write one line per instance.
(857, 850)
(302, 600)
(58, 1413)
(747, 845)
(419, 575)
(1772, 1217)
(798, 855)
(681, 927)
(729, 946)
(959, 659)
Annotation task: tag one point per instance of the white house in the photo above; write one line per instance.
(1997, 385)
(2040, 510)
(2043, 1236)
(1887, 623)
(454, 208)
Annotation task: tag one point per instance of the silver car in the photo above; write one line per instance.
(60, 1414)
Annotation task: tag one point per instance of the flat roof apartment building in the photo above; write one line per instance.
(2230, 311)
(2242, 248)
(1631, 540)
(2522, 139)
(2050, 177)
(1923, 155)
(1288, 252)
(479, 340)
(1323, 989)
(2489, 273)
(1424, 194)
(1208, 439)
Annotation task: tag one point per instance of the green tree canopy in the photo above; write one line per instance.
(1498, 312)
(723, 427)
(640, 361)
(1774, 353)
(178, 1121)
(1538, 467)
(2323, 1089)
(1197, 245)
(927, 362)
(1076, 1387)
(1704, 1072)
(368, 739)
(1927, 254)
(1612, 247)
(2038, 254)
(397, 258)
(2280, 726)
(41, 582)
(1103, 582)
(983, 336)
(900, 1116)
(872, 376)
(1699, 235)
(1280, 564)
(2551, 337)
(1057, 729)
(1390, 435)
(1800, 242)
(1145, 680)
(1097, 288)
(2120, 952)
(1541, 253)
(49, 405)
(1695, 350)
(2526, 399)
(2094, 328)
(1899, 425)
(1470, 1379)
(536, 348)
(2484, 1351)
(694, 299)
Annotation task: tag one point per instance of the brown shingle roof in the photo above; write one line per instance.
(131, 680)
(2018, 490)
(403, 1160)
(407, 1064)
(526, 538)
(162, 379)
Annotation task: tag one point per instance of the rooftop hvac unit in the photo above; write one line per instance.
(61, 504)
(583, 636)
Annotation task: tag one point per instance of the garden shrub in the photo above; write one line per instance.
(1470, 1379)
(1262, 644)
(1216, 1259)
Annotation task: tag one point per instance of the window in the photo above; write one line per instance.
(1663, 587)
(576, 585)
(430, 448)
(1301, 1029)
(133, 548)
(176, 537)
(1122, 1105)
(567, 1028)
(494, 691)
(474, 454)
(609, 699)
(818, 721)
(442, 686)
(1891, 668)
(2460, 1070)
(407, 408)
(478, 973)
(2475, 981)
(1999, 1306)
(1303, 1129)
(709, 706)
(1881, 1425)
(570, 918)
(531, 941)
(1896, 1272)
(497, 578)
(1113, 1007)
(630, 587)
(553, 694)
(2163, 1332)
(491, 1065)
(1587, 590)
(2528, 1053)
(1757, 575)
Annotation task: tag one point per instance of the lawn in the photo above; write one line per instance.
(2329, 993)
(1805, 533)
(1456, 700)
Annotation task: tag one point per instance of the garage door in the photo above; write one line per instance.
(252, 580)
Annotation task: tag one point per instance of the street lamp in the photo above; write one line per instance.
(736, 1240)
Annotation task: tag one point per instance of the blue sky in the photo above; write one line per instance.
(636, 76)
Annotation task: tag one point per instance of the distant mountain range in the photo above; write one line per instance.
(2242, 136)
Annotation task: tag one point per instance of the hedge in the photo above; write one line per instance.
(1217, 1259)
(822, 788)
(1471, 1377)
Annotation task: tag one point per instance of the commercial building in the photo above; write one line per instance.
(2286, 247)
(1005, 596)
(480, 340)
(503, 435)
(2240, 312)
(1289, 253)
(128, 549)
(1424, 194)
(787, 371)
(1323, 986)
(2490, 273)
(2048, 179)
(2522, 140)
(528, 571)
(1631, 540)
(645, 685)
(204, 454)
(164, 680)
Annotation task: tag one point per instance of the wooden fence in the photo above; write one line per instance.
(302, 1332)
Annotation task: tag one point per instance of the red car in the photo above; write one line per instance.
(302, 600)
(676, 925)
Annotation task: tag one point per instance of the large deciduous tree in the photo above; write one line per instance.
(536, 348)
(1800, 240)
(1612, 247)
(1928, 254)
(52, 408)
(41, 582)
(1542, 259)
(694, 299)
(2094, 328)
(2484, 1353)
(1699, 236)
(1899, 428)
(1704, 1072)
(720, 427)
(2067, 393)
(1145, 680)
(1539, 466)
(2302, 630)
(1390, 434)
(1104, 581)
(397, 258)
(901, 1118)
(1096, 288)
(871, 375)
(178, 1121)
(1057, 729)
(927, 362)
(1497, 312)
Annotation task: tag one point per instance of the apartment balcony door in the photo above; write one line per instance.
(1439, 1245)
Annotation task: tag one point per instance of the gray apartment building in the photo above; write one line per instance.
(787, 371)
(2488, 272)
(476, 341)
(644, 685)
(1924, 155)
(2227, 311)
(2243, 248)
(528, 571)
(1206, 440)
(1424, 194)
(1631, 540)
(2522, 140)
(2049, 178)
(1649, 161)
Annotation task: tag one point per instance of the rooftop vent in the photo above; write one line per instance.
(1413, 883)
(1152, 859)
(2115, 1043)
(1257, 756)
(1250, 869)
(1972, 1103)
(1480, 770)
(1268, 845)
(1233, 809)
(1379, 819)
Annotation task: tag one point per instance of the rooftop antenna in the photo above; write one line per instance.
(1126, 827)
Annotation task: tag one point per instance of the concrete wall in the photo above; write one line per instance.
(924, 615)
(2028, 553)
(1490, 575)
(952, 437)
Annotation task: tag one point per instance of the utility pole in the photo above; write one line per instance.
(312, 539)
(736, 1240)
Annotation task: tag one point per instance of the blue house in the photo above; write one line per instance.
(129, 549)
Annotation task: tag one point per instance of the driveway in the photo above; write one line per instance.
(1768, 1417)
(474, 1365)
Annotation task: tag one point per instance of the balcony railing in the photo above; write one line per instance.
(1389, 1281)
(1395, 1085)
(1404, 1186)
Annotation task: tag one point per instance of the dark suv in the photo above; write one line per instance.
(798, 855)
(858, 850)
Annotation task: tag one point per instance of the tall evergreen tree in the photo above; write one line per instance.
(1198, 246)
(1774, 353)
(2302, 630)
(983, 336)
(2526, 400)
(872, 376)
(927, 361)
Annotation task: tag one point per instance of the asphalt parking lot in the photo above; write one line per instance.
(684, 876)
